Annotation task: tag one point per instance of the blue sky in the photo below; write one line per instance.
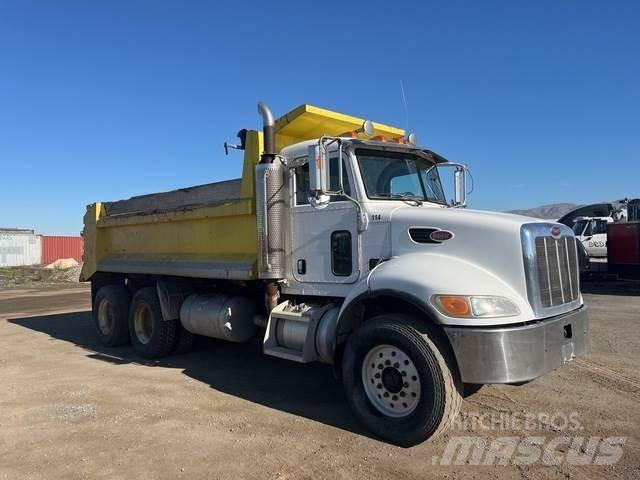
(104, 100)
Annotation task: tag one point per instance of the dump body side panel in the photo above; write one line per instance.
(208, 242)
(171, 233)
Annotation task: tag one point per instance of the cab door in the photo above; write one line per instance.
(324, 241)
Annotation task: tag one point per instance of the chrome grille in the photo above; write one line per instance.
(557, 266)
(551, 268)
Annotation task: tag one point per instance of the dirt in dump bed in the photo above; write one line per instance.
(176, 199)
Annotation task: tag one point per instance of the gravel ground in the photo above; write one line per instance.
(73, 409)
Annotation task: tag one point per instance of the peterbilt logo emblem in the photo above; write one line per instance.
(555, 231)
(440, 236)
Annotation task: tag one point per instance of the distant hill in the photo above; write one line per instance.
(548, 212)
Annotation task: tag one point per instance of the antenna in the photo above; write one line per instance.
(406, 109)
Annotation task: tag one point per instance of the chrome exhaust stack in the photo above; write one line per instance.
(270, 210)
(269, 133)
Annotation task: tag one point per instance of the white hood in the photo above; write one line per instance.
(489, 240)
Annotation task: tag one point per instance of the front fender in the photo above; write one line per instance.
(416, 277)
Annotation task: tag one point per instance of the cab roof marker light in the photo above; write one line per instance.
(367, 128)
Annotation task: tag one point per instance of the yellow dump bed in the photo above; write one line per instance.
(206, 231)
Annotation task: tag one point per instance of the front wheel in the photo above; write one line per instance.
(399, 379)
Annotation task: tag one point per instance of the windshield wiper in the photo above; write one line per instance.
(407, 197)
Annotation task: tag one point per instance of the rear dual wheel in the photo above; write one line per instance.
(400, 379)
(151, 335)
(120, 320)
(110, 315)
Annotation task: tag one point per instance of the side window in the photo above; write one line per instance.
(587, 231)
(578, 227)
(335, 179)
(302, 182)
(302, 185)
(599, 226)
(341, 253)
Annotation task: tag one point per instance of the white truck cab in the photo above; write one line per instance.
(487, 297)
(592, 233)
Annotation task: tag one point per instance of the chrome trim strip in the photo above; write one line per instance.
(566, 251)
(560, 271)
(546, 257)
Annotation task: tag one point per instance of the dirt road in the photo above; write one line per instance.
(73, 409)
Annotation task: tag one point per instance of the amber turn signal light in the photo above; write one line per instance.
(455, 305)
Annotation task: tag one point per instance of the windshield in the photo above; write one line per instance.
(579, 226)
(399, 175)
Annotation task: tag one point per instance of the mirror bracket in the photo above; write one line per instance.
(460, 182)
(319, 171)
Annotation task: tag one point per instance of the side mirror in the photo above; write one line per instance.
(318, 170)
(460, 187)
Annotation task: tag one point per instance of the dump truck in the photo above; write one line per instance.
(339, 244)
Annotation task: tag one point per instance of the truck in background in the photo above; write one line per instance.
(339, 245)
(623, 245)
(592, 233)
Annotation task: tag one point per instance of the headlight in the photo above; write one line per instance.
(479, 306)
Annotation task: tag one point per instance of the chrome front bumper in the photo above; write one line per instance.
(522, 353)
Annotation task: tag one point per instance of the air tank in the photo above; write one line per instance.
(220, 316)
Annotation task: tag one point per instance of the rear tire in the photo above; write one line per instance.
(400, 379)
(184, 339)
(110, 315)
(151, 335)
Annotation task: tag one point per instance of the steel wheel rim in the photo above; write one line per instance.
(105, 317)
(391, 381)
(143, 324)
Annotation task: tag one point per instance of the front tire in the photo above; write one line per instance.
(400, 380)
(151, 335)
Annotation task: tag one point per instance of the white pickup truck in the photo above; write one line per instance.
(592, 233)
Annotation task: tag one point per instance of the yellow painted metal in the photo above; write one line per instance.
(212, 234)
(307, 122)
(91, 255)
(223, 233)
(252, 151)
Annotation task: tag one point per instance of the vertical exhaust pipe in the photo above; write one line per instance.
(269, 133)
(270, 212)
